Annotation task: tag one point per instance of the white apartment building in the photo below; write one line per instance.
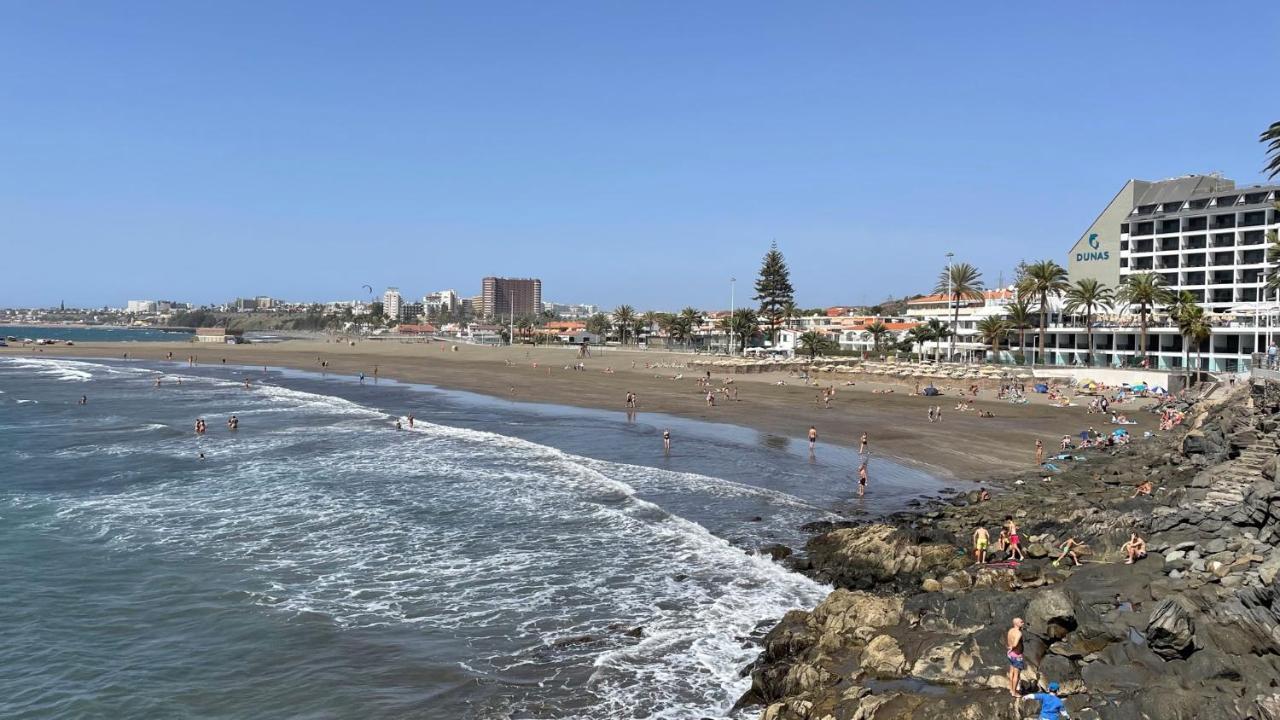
(442, 301)
(391, 302)
(1199, 233)
(141, 307)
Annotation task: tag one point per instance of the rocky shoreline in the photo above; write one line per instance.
(916, 630)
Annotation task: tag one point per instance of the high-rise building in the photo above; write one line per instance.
(504, 297)
(443, 301)
(1199, 234)
(409, 312)
(391, 303)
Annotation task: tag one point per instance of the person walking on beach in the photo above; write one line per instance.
(862, 445)
(981, 539)
(813, 438)
(1039, 453)
(1013, 651)
(930, 413)
(666, 441)
(937, 412)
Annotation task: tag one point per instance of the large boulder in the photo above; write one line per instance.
(1051, 614)
(1171, 631)
(871, 556)
(883, 656)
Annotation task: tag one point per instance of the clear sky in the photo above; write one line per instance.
(623, 152)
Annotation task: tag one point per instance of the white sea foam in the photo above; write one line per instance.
(479, 534)
(68, 370)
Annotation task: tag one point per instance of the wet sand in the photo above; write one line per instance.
(962, 445)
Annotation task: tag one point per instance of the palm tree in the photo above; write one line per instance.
(743, 323)
(918, 335)
(992, 328)
(650, 319)
(959, 281)
(524, 324)
(1020, 315)
(1086, 296)
(1180, 303)
(877, 331)
(1042, 280)
(789, 311)
(938, 331)
(689, 319)
(814, 343)
(1194, 328)
(1271, 136)
(1273, 257)
(623, 317)
(1147, 291)
(599, 324)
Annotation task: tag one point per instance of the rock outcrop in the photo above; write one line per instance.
(1191, 631)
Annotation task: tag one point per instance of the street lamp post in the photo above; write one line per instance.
(732, 286)
(953, 330)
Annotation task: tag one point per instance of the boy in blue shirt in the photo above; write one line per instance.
(1050, 704)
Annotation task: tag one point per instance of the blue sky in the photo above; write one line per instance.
(623, 152)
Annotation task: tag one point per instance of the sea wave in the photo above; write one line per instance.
(516, 549)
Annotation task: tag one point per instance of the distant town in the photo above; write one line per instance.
(1179, 273)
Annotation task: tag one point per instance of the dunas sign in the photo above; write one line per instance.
(1093, 253)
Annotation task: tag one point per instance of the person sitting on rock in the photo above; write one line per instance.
(1050, 704)
(1135, 549)
(1144, 488)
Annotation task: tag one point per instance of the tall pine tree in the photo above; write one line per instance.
(773, 289)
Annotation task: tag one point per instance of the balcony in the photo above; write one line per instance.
(1143, 246)
(1169, 226)
(1223, 258)
(1253, 257)
(1253, 237)
(1251, 219)
(1168, 244)
(1144, 228)
(1193, 278)
(1224, 240)
(1192, 224)
(1223, 222)
(1193, 261)
(1193, 242)
(1220, 296)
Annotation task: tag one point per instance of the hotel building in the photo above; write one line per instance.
(504, 297)
(391, 302)
(1202, 235)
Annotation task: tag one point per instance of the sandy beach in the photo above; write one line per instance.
(963, 445)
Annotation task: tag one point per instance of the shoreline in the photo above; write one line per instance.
(960, 447)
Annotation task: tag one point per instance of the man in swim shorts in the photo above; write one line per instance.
(1013, 651)
(862, 479)
(981, 539)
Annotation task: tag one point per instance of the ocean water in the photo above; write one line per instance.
(90, 334)
(499, 560)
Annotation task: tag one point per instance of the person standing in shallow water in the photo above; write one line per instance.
(666, 441)
(813, 438)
